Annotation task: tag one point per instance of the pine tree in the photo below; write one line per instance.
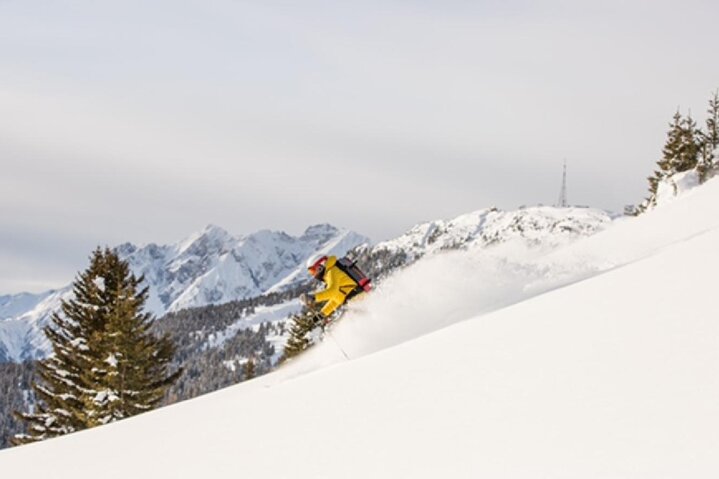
(667, 163)
(681, 152)
(653, 187)
(106, 363)
(301, 325)
(712, 123)
(709, 139)
(132, 373)
(672, 147)
(689, 146)
(250, 369)
(60, 387)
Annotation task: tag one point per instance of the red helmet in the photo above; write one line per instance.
(316, 265)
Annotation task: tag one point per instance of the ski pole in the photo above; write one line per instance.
(339, 346)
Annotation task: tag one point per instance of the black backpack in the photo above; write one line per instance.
(350, 268)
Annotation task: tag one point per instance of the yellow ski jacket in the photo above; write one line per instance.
(339, 285)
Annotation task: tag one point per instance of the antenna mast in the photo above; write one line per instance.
(563, 192)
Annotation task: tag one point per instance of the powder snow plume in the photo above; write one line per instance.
(451, 287)
(437, 292)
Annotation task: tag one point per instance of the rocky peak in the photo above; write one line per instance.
(320, 232)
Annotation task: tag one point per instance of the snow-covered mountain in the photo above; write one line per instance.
(611, 375)
(213, 267)
(535, 226)
(15, 304)
(209, 267)
(21, 337)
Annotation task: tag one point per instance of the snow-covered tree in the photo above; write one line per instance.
(687, 148)
(106, 364)
(60, 385)
(681, 152)
(301, 326)
(130, 374)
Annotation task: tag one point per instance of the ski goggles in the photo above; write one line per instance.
(316, 268)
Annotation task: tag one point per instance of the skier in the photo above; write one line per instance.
(343, 279)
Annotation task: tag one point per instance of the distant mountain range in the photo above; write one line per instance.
(215, 267)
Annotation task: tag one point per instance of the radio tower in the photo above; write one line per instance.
(563, 192)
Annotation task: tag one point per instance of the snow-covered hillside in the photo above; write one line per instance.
(535, 226)
(599, 363)
(209, 267)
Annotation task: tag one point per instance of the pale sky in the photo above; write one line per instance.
(144, 121)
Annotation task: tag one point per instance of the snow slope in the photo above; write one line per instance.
(609, 373)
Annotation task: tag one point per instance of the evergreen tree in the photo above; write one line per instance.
(672, 147)
(60, 387)
(131, 374)
(689, 146)
(681, 152)
(670, 152)
(301, 325)
(712, 133)
(250, 369)
(709, 139)
(106, 364)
